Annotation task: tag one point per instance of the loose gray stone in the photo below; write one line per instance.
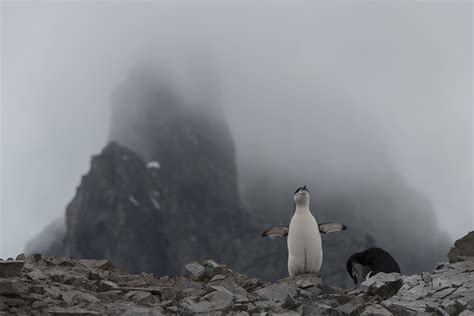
(194, 271)
(350, 309)
(231, 286)
(278, 291)
(317, 308)
(326, 289)
(452, 307)
(376, 309)
(213, 268)
(240, 313)
(290, 302)
(3, 305)
(143, 311)
(463, 248)
(109, 295)
(72, 312)
(190, 292)
(339, 299)
(400, 305)
(188, 301)
(34, 258)
(219, 296)
(464, 266)
(173, 309)
(89, 287)
(304, 281)
(441, 294)
(105, 285)
(426, 277)
(382, 284)
(96, 264)
(239, 299)
(218, 277)
(305, 294)
(215, 301)
(222, 289)
(11, 268)
(75, 297)
(36, 275)
(441, 312)
(11, 286)
(143, 298)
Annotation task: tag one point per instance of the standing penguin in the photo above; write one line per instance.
(305, 252)
(368, 263)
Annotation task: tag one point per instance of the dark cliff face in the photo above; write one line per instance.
(192, 144)
(116, 211)
(166, 195)
(125, 211)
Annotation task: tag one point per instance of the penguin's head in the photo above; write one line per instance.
(302, 196)
(355, 267)
(351, 269)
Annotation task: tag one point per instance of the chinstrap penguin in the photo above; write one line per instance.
(365, 264)
(305, 253)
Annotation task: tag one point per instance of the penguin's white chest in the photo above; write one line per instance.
(305, 253)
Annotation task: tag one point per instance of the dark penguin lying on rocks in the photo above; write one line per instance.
(365, 264)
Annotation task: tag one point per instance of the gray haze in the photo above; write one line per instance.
(288, 77)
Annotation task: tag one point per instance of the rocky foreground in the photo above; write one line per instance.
(63, 286)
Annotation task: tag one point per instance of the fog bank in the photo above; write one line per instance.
(388, 84)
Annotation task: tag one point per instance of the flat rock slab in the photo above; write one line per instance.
(105, 285)
(231, 286)
(37, 275)
(10, 269)
(304, 281)
(402, 305)
(102, 264)
(376, 309)
(279, 291)
(75, 297)
(72, 312)
(212, 302)
(382, 284)
(463, 248)
(213, 268)
(194, 271)
(139, 311)
(317, 308)
(11, 286)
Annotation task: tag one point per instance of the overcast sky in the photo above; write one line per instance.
(406, 66)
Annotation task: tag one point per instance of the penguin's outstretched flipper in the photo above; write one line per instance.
(281, 231)
(327, 228)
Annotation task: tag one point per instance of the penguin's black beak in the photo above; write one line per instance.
(354, 278)
(304, 188)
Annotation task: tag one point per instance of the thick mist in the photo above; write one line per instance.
(339, 96)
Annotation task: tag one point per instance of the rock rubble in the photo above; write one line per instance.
(42, 285)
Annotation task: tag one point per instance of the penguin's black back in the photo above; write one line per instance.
(378, 259)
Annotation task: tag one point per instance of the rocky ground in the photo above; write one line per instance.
(44, 285)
